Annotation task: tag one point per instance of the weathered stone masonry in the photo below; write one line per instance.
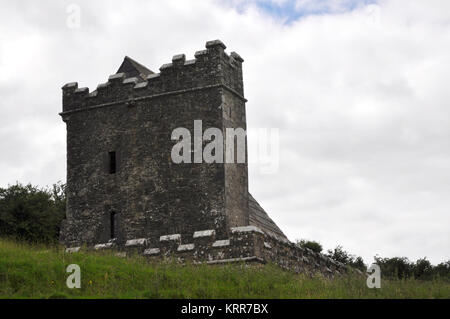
(125, 192)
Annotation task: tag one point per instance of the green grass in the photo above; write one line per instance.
(33, 271)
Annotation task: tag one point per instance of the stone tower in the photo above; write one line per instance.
(121, 181)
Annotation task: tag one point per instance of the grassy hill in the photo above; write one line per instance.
(33, 271)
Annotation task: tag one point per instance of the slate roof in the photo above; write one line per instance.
(259, 218)
(134, 69)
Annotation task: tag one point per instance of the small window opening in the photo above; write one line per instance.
(113, 225)
(112, 163)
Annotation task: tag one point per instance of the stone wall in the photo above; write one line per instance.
(245, 244)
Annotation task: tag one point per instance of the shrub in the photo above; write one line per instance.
(30, 213)
(442, 270)
(313, 245)
(339, 254)
(396, 267)
(423, 269)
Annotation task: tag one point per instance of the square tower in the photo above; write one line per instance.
(121, 180)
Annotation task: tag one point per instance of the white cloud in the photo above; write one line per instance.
(360, 98)
(329, 6)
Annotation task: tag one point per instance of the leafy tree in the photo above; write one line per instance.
(30, 213)
(402, 268)
(313, 245)
(396, 267)
(58, 193)
(442, 270)
(339, 254)
(423, 269)
(358, 263)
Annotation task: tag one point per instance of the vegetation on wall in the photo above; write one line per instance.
(310, 244)
(339, 254)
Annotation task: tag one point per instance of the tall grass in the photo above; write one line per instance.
(37, 271)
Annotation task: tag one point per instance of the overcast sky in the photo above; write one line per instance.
(358, 89)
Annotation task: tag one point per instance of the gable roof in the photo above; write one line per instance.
(259, 218)
(131, 68)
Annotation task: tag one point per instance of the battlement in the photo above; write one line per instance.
(210, 68)
(245, 244)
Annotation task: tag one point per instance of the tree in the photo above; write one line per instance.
(30, 213)
(396, 267)
(423, 269)
(339, 254)
(313, 245)
(358, 263)
(442, 270)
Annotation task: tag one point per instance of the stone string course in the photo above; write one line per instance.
(246, 244)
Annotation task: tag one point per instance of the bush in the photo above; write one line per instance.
(423, 269)
(339, 254)
(358, 263)
(442, 270)
(313, 245)
(396, 267)
(32, 214)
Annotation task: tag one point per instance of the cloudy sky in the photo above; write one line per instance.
(359, 91)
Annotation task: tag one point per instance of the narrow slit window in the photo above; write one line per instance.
(112, 163)
(113, 225)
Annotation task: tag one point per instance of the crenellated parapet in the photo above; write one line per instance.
(245, 244)
(211, 67)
